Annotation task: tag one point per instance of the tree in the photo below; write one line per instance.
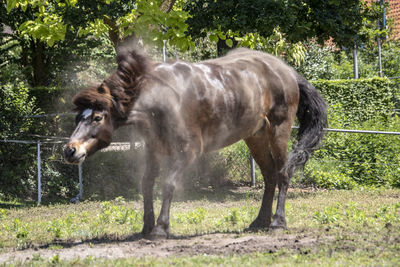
(38, 26)
(297, 20)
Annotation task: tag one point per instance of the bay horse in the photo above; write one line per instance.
(182, 110)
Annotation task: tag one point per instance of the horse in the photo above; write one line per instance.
(182, 110)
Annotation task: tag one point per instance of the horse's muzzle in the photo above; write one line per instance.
(73, 155)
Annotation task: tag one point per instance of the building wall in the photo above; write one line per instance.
(394, 14)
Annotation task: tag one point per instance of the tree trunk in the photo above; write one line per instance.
(38, 63)
(113, 32)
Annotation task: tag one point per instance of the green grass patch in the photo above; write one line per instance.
(363, 227)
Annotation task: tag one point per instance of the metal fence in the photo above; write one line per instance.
(237, 163)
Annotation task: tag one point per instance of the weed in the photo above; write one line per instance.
(120, 200)
(233, 217)
(56, 247)
(55, 227)
(329, 214)
(388, 214)
(36, 257)
(21, 234)
(3, 213)
(55, 259)
(193, 217)
(197, 215)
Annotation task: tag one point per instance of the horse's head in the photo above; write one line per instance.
(105, 107)
(94, 125)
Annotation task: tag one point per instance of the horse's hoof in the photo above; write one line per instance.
(158, 233)
(146, 231)
(257, 226)
(279, 223)
(274, 229)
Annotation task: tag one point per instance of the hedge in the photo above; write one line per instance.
(361, 99)
(349, 160)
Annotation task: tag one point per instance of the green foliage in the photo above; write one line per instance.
(343, 215)
(193, 217)
(325, 173)
(299, 20)
(320, 63)
(119, 214)
(235, 159)
(275, 44)
(233, 217)
(348, 160)
(51, 41)
(141, 18)
(358, 100)
(17, 161)
(366, 159)
(3, 213)
(330, 63)
(16, 106)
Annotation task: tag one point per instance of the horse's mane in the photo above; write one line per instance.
(122, 87)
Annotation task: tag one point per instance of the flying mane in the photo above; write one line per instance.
(119, 90)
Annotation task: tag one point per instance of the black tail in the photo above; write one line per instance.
(312, 117)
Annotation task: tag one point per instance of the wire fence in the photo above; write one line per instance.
(237, 163)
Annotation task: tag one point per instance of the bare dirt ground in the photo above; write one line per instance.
(136, 246)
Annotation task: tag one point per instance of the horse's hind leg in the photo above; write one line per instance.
(259, 149)
(278, 144)
(269, 149)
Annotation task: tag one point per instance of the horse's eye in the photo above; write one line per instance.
(97, 118)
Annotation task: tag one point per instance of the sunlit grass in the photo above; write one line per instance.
(363, 223)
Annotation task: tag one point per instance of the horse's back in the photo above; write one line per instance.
(228, 98)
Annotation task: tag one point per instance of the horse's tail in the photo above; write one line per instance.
(312, 116)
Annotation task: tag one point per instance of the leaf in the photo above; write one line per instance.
(213, 38)
(221, 36)
(11, 4)
(229, 42)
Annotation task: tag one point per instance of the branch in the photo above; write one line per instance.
(113, 33)
(167, 5)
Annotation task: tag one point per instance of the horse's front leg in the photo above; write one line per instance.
(151, 172)
(161, 230)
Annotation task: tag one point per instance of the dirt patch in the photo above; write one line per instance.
(210, 244)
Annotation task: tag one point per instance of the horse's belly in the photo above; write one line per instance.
(229, 133)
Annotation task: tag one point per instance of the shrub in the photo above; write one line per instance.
(17, 161)
(368, 159)
(358, 100)
(345, 159)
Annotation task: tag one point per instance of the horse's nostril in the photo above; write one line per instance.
(69, 151)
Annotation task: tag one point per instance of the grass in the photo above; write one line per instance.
(364, 226)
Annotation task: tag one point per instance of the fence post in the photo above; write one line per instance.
(252, 171)
(164, 50)
(355, 61)
(39, 173)
(80, 181)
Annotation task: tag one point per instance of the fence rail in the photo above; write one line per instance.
(123, 146)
